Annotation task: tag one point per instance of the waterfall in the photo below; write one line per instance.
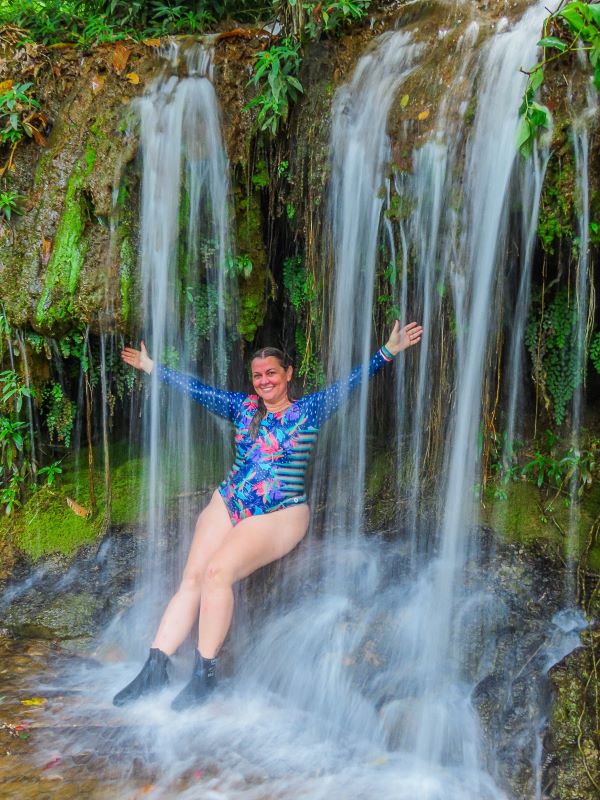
(184, 246)
(360, 157)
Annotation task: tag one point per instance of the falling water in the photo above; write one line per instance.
(184, 245)
(584, 303)
(360, 158)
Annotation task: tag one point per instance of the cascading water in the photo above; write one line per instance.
(360, 156)
(184, 247)
(584, 321)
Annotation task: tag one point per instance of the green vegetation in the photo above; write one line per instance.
(275, 74)
(10, 203)
(69, 250)
(551, 338)
(573, 28)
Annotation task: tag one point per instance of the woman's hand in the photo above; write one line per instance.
(138, 358)
(401, 338)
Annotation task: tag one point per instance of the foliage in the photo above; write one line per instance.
(238, 265)
(10, 203)
(20, 116)
(333, 15)
(89, 22)
(275, 77)
(551, 339)
(575, 27)
(15, 464)
(595, 352)
(60, 413)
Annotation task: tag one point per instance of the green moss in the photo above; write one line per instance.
(253, 290)
(524, 517)
(69, 250)
(555, 221)
(126, 270)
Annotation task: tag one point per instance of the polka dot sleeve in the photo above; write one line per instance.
(218, 401)
(319, 406)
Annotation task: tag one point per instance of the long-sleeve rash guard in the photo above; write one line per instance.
(268, 472)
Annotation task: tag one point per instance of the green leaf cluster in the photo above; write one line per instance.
(595, 351)
(551, 339)
(16, 102)
(577, 27)
(60, 413)
(90, 22)
(274, 76)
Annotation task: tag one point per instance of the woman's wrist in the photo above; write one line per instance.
(148, 367)
(389, 351)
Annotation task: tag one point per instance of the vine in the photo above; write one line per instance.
(552, 344)
(575, 27)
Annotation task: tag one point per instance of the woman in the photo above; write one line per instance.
(257, 515)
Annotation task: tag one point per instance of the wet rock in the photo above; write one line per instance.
(572, 741)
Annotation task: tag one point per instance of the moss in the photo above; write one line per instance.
(69, 250)
(126, 270)
(573, 740)
(524, 516)
(555, 221)
(253, 289)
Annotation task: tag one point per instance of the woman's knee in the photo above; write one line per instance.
(218, 575)
(192, 581)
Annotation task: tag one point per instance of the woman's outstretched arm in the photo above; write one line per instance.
(321, 405)
(218, 401)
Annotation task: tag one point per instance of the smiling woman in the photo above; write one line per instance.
(258, 514)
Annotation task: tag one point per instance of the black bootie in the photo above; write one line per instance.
(152, 678)
(202, 683)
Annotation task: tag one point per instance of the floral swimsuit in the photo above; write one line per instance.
(268, 473)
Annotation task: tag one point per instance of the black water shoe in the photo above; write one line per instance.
(152, 678)
(202, 683)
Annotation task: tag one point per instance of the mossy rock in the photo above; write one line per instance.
(572, 741)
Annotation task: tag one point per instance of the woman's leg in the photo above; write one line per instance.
(212, 530)
(253, 543)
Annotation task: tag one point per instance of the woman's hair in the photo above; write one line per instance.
(260, 412)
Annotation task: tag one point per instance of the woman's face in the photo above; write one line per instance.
(270, 379)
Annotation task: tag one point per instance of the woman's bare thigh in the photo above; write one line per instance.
(212, 529)
(259, 540)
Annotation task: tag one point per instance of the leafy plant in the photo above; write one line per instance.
(552, 343)
(576, 26)
(60, 413)
(274, 75)
(50, 472)
(10, 203)
(331, 16)
(13, 390)
(238, 265)
(595, 352)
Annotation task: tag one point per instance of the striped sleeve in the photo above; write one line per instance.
(218, 401)
(319, 406)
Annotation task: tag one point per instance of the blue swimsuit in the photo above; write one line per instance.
(268, 473)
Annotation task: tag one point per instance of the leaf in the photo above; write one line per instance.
(97, 83)
(535, 80)
(573, 16)
(38, 137)
(423, 115)
(151, 42)
(133, 77)
(46, 251)
(81, 511)
(33, 701)
(6, 85)
(524, 138)
(295, 83)
(553, 41)
(404, 100)
(120, 57)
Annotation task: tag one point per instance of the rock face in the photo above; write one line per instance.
(572, 742)
(67, 599)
